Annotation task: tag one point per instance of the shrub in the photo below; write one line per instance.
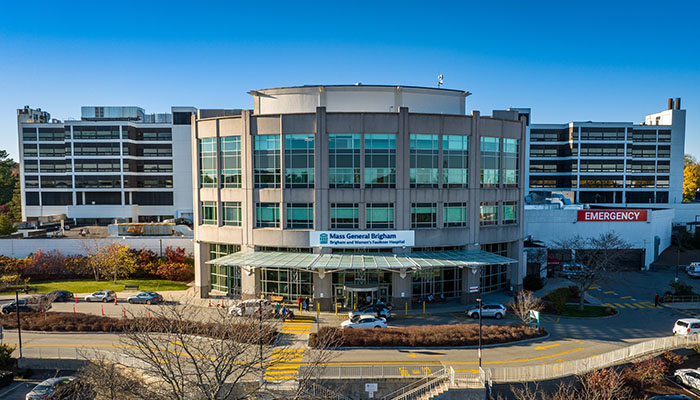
(681, 288)
(649, 371)
(176, 272)
(558, 299)
(5, 354)
(532, 283)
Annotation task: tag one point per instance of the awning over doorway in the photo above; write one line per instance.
(379, 261)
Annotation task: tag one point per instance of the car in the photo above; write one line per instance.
(251, 306)
(686, 326)
(364, 321)
(495, 310)
(45, 388)
(101, 295)
(385, 311)
(688, 377)
(146, 298)
(60, 295)
(670, 397)
(30, 304)
(571, 269)
(693, 270)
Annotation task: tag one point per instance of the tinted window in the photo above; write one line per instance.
(682, 323)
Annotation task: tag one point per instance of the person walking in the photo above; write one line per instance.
(656, 300)
(305, 304)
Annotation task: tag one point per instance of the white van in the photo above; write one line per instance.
(686, 326)
(251, 306)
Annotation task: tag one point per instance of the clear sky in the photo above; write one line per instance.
(592, 60)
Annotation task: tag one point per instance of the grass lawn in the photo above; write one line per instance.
(571, 310)
(89, 286)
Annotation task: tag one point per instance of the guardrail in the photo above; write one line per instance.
(681, 299)
(567, 368)
(426, 390)
(376, 371)
(416, 385)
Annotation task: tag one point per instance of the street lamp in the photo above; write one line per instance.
(19, 325)
(479, 301)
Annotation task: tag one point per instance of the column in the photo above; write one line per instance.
(401, 290)
(250, 283)
(323, 290)
(202, 276)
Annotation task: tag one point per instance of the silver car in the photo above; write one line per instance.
(45, 388)
(494, 310)
(688, 377)
(101, 295)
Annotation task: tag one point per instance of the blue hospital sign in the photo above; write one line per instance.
(361, 239)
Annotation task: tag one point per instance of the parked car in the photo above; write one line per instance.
(251, 306)
(60, 295)
(101, 295)
(670, 397)
(571, 269)
(146, 298)
(364, 321)
(45, 388)
(385, 311)
(693, 270)
(686, 326)
(688, 377)
(29, 304)
(494, 310)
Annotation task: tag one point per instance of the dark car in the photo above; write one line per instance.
(25, 305)
(146, 298)
(60, 295)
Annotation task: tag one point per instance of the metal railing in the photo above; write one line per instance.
(417, 384)
(567, 368)
(681, 299)
(317, 391)
(440, 379)
(376, 371)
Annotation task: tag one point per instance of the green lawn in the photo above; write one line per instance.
(89, 286)
(571, 310)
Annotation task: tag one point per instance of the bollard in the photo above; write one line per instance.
(115, 300)
(299, 308)
(423, 306)
(336, 309)
(103, 310)
(210, 301)
(354, 306)
(406, 304)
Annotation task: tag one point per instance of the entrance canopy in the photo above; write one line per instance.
(377, 261)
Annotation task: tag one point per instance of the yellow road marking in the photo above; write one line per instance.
(281, 372)
(424, 355)
(626, 297)
(632, 305)
(647, 305)
(608, 305)
(576, 341)
(549, 346)
(288, 350)
(619, 305)
(594, 287)
(609, 291)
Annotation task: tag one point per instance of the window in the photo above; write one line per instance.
(98, 181)
(424, 160)
(148, 150)
(299, 161)
(31, 166)
(62, 182)
(494, 277)
(602, 133)
(267, 215)
(30, 150)
(455, 161)
(455, 214)
(489, 161)
(29, 134)
(511, 157)
(664, 136)
(510, 212)
(380, 216)
(423, 215)
(344, 215)
(148, 181)
(31, 181)
(232, 213)
(147, 165)
(95, 132)
(664, 152)
(96, 165)
(152, 198)
(32, 198)
(182, 118)
(300, 216)
(51, 134)
(288, 283)
(267, 161)
(488, 213)
(380, 160)
(231, 161)
(207, 162)
(96, 149)
(209, 209)
(445, 281)
(344, 161)
(226, 278)
(55, 166)
(53, 150)
(102, 198)
(56, 198)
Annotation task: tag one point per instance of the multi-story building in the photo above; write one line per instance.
(115, 162)
(346, 194)
(611, 162)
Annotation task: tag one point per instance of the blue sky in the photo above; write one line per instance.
(605, 61)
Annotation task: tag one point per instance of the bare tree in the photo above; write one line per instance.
(524, 302)
(597, 255)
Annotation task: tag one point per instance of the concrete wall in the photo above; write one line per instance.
(20, 248)
(549, 226)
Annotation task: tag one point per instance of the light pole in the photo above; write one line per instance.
(479, 301)
(260, 342)
(19, 325)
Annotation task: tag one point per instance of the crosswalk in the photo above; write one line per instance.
(285, 363)
(301, 324)
(644, 305)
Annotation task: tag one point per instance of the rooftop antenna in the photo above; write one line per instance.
(439, 82)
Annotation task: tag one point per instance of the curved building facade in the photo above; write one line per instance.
(348, 200)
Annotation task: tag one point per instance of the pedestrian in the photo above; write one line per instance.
(656, 300)
(305, 304)
(277, 308)
(299, 302)
(284, 312)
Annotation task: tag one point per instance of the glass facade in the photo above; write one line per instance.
(232, 213)
(380, 160)
(488, 213)
(494, 277)
(344, 161)
(345, 216)
(455, 161)
(299, 161)
(300, 216)
(445, 281)
(230, 161)
(510, 212)
(380, 216)
(267, 215)
(455, 214)
(490, 163)
(224, 278)
(288, 283)
(511, 151)
(266, 159)
(423, 215)
(207, 162)
(425, 154)
(208, 213)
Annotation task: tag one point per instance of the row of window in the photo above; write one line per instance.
(600, 150)
(345, 153)
(566, 134)
(347, 216)
(98, 181)
(599, 182)
(97, 165)
(97, 149)
(56, 134)
(98, 198)
(544, 166)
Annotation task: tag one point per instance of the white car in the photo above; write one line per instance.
(494, 310)
(45, 388)
(364, 321)
(101, 295)
(250, 307)
(686, 326)
(693, 270)
(688, 377)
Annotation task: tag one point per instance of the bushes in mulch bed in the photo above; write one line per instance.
(80, 322)
(428, 336)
